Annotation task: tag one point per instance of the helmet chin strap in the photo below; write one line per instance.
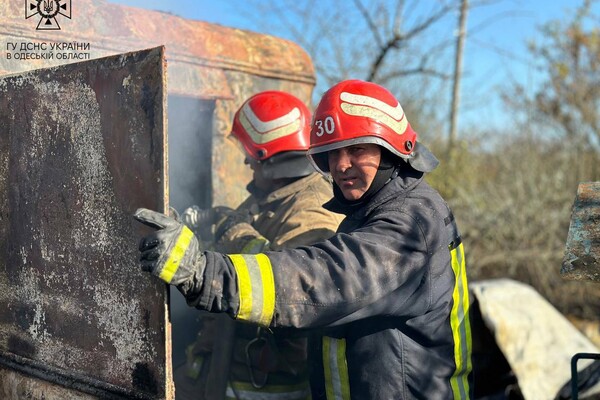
(289, 164)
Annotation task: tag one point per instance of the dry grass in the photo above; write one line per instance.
(514, 206)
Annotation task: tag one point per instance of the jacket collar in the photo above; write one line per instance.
(397, 187)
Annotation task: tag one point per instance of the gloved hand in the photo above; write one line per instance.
(228, 219)
(172, 252)
(194, 217)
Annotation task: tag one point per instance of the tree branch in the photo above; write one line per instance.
(370, 22)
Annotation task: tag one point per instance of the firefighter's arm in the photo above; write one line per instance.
(345, 278)
(306, 225)
(316, 286)
(235, 233)
(172, 253)
(352, 276)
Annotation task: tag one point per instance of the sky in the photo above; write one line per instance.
(495, 49)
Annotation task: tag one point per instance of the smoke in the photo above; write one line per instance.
(190, 145)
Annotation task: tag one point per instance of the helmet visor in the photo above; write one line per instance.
(421, 159)
(319, 159)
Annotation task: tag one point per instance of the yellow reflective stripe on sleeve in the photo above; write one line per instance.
(256, 287)
(244, 285)
(337, 384)
(176, 255)
(461, 326)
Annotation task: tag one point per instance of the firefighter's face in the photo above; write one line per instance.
(353, 168)
(259, 178)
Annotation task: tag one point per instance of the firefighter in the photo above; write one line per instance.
(284, 209)
(386, 297)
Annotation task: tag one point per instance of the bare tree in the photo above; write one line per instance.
(513, 200)
(397, 39)
(460, 40)
(404, 45)
(567, 103)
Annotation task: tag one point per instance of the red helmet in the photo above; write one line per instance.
(272, 122)
(354, 112)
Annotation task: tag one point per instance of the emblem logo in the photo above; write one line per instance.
(48, 10)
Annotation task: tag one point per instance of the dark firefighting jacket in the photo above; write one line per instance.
(387, 295)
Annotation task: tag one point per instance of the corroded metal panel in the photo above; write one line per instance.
(582, 252)
(206, 61)
(200, 51)
(81, 147)
(19, 386)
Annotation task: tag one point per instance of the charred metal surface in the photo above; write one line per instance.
(206, 61)
(212, 70)
(54, 383)
(198, 51)
(15, 385)
(82, 146)
(582, 252)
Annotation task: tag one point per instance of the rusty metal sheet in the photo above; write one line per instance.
(206, 61)
(81, 147)
(582, 252)
(200, 50)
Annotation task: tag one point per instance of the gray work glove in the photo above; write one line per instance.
(195, 217)
(228, 218)
(201, 220)
(172, 252)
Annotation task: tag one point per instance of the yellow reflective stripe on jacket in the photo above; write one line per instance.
(172, 263)
(245, 391)
(461, 326)
(256, 287)
(337, 384)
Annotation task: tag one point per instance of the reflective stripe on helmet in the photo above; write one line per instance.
(256, 287)
(337, 384)
(360, 111)
(461, 326)
(396, 113)
(370, 107)
(270, 123)
(175, 256)
(262, 132)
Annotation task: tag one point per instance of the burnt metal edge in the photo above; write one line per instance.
(69, 379)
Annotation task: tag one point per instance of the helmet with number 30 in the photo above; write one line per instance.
(354, 112)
